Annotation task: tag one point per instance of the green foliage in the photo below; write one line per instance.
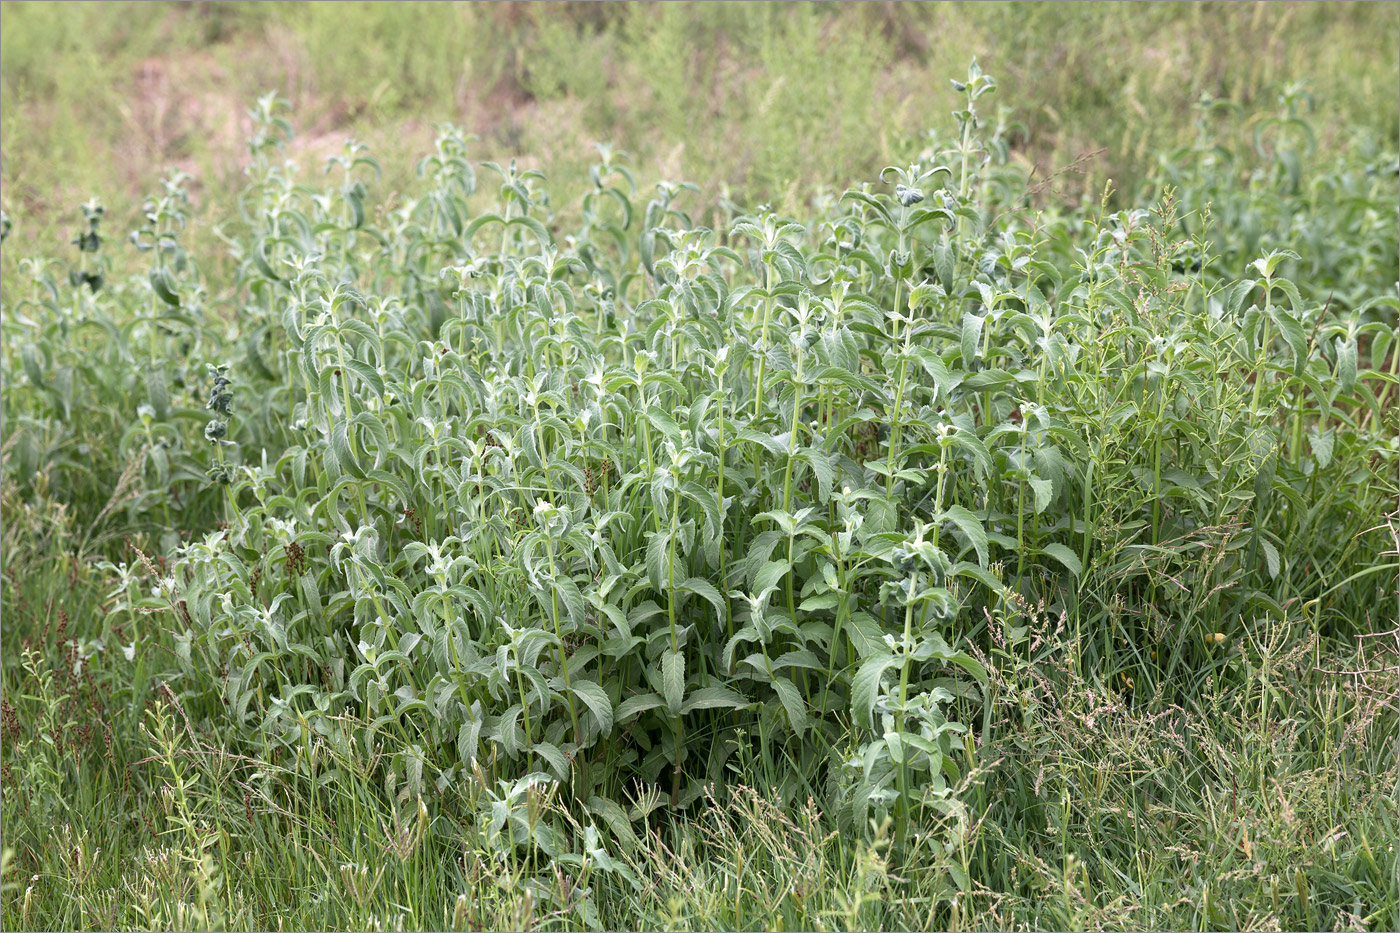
(765, 100)
(529, 524)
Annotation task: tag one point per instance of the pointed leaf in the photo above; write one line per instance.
(1065, 556)
(792, 702)
(865, 686)
(971, 526)
(705, 590)
(673, 680)
(1271, 558)
(634, 706)
(551, 754)
(770, 575)
(1043, 490)
(713, 697)
(971, 334)
(596, 699)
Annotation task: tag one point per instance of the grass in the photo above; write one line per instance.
(1085, 812)
(765, 101)
(443, 543)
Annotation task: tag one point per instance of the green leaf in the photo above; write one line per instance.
(32, 369)
(364, 332)
(340, 449)
(157, 393)
(971, 443)
(636, 705)
(963, 660)
(866, 635)
(571, 597)
(1295, 301)
(988, 380)
(468, 737)
(368, 375)
(933, 364)
(1236, 296)
(1291, 331)
(713, 697)
(164, 287)
(664, 423)
(971, 334)
(965, 568)
(551, 754)
(971, 526)
(612, 813)
(894, 741)
(820, 463)
(818, 602)
(770, 575)
(706, 590)
(1346, 363)
(656, 559)
(259, 254)
(943, 264)
(1271, 558)
(1043, 489)
(792, 702)
(1065, 556)
(798, 657)
(596, 699)
(865, 687)
(1322, 445)
(673, 680)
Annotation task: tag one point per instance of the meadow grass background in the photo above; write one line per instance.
(756, 101)
(1270, 804)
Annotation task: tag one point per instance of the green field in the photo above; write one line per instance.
(735, 466)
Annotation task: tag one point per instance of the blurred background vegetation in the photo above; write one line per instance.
(753, 101)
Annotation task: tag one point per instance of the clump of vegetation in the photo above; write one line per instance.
(454, 518)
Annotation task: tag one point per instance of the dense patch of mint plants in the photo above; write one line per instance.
(633, 505)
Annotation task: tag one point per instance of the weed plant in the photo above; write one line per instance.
(595, 551)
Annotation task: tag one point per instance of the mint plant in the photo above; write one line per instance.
(591, 507)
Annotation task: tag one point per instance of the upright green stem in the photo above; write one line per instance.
(559, 636)
(677, 725)
(966, 177)
(671, 575)
(896, 422)
(899, 717)
(843, 610)
(938, 489)
(1157, 459)
(787, 483)
(345, 395)
(763, 340)
(1259, 372)
(1021, 512)
(228, 487)
(1088, 516)
(719, 493)
(651, 466)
